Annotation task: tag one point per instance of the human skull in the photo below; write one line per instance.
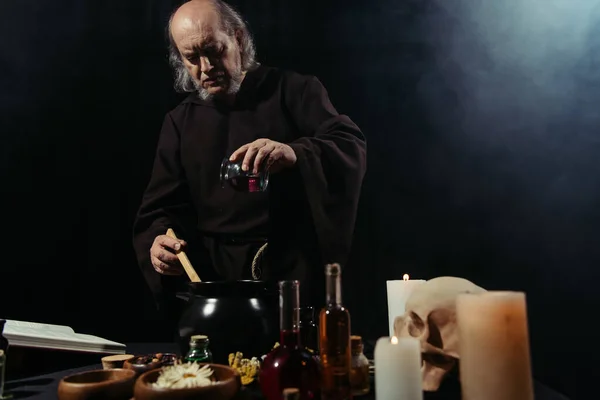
(431, 317)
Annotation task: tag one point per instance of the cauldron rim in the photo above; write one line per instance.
(232, 288)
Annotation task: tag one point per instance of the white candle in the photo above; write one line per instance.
(494, 346)
(397, 294)
(398, 369)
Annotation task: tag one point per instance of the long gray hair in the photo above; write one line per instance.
(231, 22)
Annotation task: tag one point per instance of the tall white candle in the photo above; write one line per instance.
(494, 346)
(397, 294)
(398, 369)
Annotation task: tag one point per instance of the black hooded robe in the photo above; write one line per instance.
(308, 212)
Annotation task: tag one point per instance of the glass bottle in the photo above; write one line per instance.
(334, 339)
(244, 181)
(289, 365)
(199, 351)
(309, 331)
(359, 374)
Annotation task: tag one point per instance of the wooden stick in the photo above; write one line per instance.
(185, 261)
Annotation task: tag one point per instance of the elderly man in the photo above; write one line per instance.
(241, 110)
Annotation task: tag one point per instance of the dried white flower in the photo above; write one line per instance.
(181, 376)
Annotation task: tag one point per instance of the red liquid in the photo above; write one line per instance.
(247, 184)
(290, 365)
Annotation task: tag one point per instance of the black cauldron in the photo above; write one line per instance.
(235, 315)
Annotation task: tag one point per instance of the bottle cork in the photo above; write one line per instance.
(356, 344)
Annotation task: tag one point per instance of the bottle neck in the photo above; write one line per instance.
(199, 345)
(289, 338)
(333, 289)
(289, 312)
(356, 351)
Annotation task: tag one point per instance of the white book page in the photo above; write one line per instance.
(23, 328)
(80, 337)
(33, 330)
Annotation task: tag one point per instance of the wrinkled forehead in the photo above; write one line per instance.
(197, 32)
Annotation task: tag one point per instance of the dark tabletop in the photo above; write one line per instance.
(45, 386)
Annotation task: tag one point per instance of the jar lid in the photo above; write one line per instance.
(199, 338)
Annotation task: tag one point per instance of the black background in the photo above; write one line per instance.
(482, 122)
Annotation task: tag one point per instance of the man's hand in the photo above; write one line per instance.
(277, 155)
(163, 257)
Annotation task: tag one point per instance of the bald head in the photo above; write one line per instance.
(210, 48)
(194, 17)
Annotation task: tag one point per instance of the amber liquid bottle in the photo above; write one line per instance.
(334, 340)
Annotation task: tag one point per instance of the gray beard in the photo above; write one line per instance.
(234, 87)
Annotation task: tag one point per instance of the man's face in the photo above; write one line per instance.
(211, 56)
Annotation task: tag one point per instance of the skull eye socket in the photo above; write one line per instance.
(417, 327)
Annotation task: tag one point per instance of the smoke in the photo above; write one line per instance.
(525, 79)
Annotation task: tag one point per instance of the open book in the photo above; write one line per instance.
(57, 337)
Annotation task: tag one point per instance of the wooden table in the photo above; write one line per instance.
(44, 387)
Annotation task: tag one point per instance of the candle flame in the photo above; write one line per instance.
(394, 340)
(405, 277)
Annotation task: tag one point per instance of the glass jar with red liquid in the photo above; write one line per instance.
(289, 364)
(244, 181)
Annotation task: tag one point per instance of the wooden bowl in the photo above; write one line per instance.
(148, 362)
(142, 363)
(110, 384)
(227, 386)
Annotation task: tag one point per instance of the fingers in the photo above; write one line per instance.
(263, 153)
(236, 155)
(165, 262)
(276, 155)
(162, 255)
(253, 154)
(169, 243)
(166, 269)
(250, 154)
(165, 256)
(273, 155)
